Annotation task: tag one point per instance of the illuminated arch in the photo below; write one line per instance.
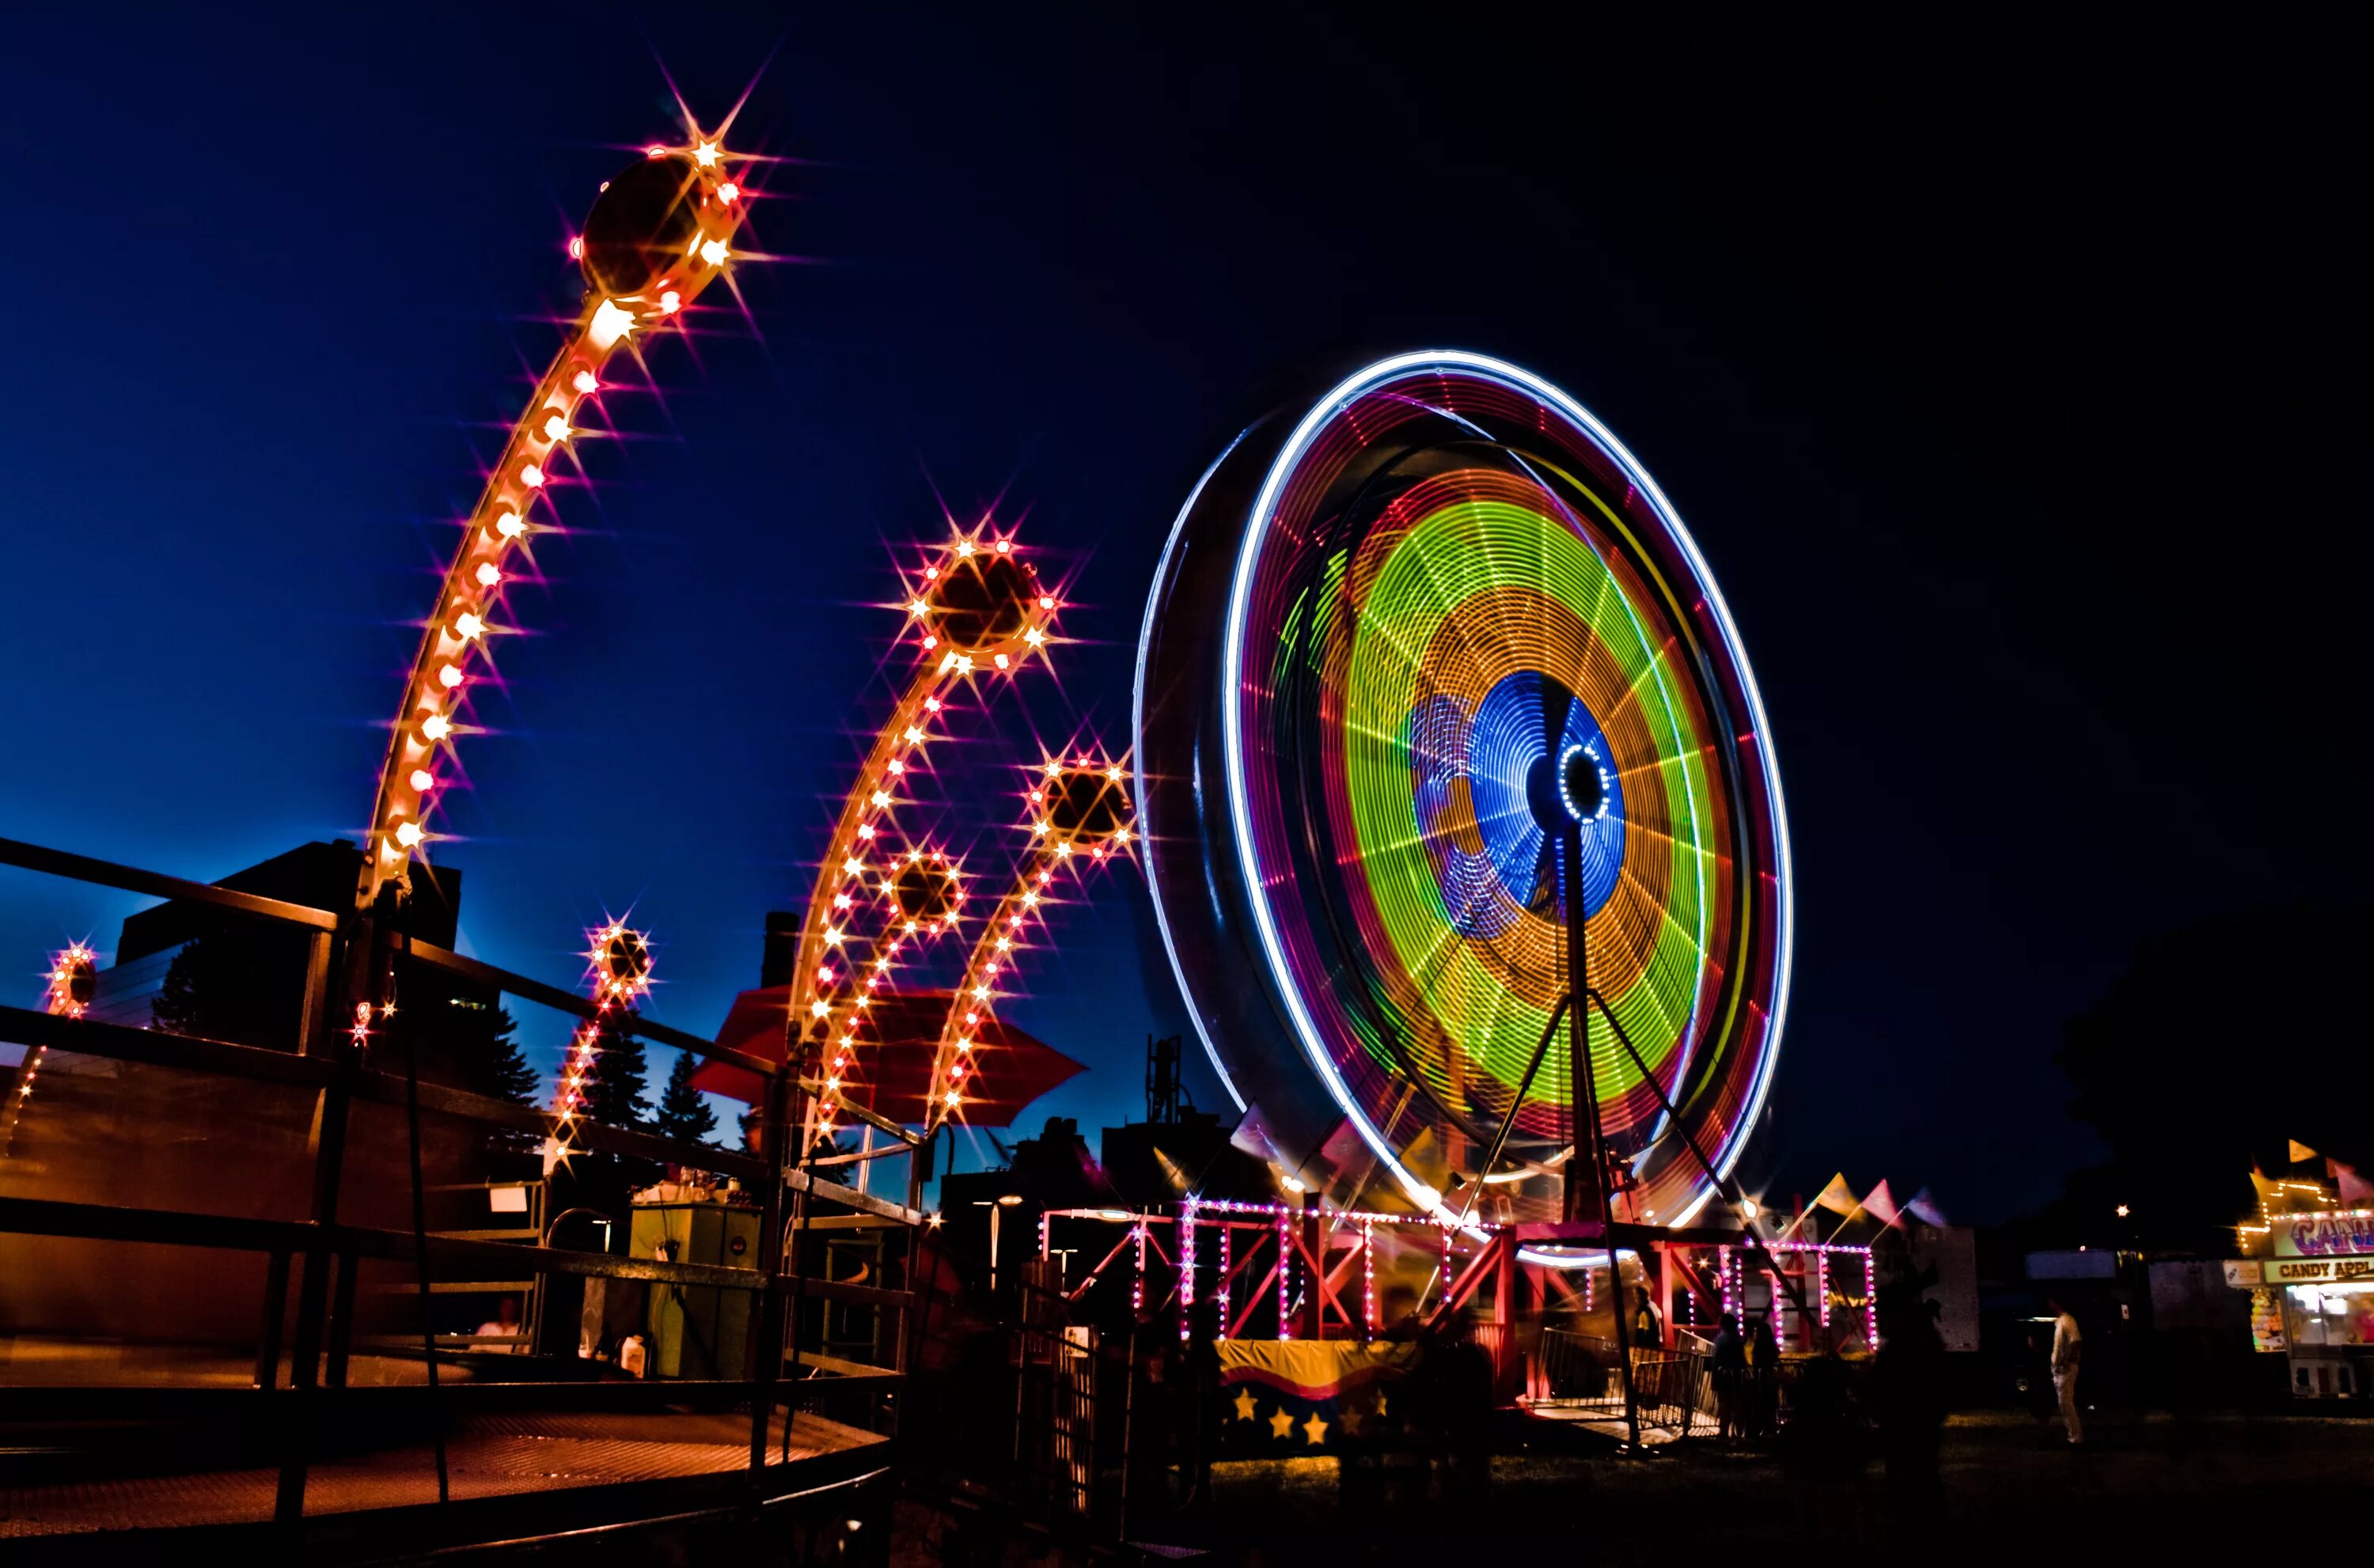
(978, 610)
(1080, 817)
(658, 235)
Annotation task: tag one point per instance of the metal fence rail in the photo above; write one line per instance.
(349, 961)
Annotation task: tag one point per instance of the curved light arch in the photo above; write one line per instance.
(829, 1001)
(453, 650)
(1052, 849)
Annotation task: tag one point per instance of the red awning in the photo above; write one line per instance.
(893, 1069)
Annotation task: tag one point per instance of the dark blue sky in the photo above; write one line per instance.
(1989, 372)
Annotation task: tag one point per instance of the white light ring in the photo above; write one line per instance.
(1232, 746)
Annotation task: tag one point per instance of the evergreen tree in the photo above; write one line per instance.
(620, 1077)
(489, 1057)
(683, 1113)
(211, 991)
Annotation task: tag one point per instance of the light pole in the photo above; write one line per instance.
(1004, 1201)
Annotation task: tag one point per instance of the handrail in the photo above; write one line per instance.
(131, 879)
(103, 1221)
(626, 1023)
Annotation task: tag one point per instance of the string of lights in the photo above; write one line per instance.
(1079, 817)
(976, 609)
(657, 237)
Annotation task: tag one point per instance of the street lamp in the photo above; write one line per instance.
(995, 1205)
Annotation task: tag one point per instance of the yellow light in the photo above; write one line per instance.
(489, 574)
(917, 607)
(1121, 835)
(450, 675)
(953, 1098)
(585, 382)
(671, 303)
(1034, 637)
(730, 192)
(407, 834)
(714, 252)
(610, 323)
(832, 935)
(509, 526)
(881, 798)
(423, 779)
(436, 727)
(964, 547)
(555, 428)
(532, 477)
(468, 626)
(914, 736)
(819, 1009)
(705, 155)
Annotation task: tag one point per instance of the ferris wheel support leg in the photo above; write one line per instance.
(1728, 1186)
(1582, 1090)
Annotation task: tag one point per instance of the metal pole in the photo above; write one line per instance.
(1585, 1096)
(328, 1147)
(419, 1262)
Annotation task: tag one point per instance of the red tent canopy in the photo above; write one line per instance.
(893, 1069)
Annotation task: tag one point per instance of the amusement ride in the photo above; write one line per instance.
(1450, 777)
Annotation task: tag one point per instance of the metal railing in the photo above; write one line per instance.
(349, 956)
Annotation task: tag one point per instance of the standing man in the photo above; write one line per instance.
(2066, 1342)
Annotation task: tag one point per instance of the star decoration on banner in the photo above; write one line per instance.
(1244, 1404)
(1281, 1424)
(1315, 1430)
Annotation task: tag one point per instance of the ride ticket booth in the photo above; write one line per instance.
(2309, 1269)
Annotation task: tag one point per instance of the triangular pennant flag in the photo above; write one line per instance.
(1880, 1204)
(2355, 1188)
(1837, 1197)
(2301, 1152)
(1923, 1208)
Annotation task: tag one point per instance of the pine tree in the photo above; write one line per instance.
(211, 991)
(620, 1077)
(489, 1057)
(683, 1113)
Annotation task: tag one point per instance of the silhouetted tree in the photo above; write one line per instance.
(621, 1077)
(2220, 1042)
(683, 1113)
(211, 991)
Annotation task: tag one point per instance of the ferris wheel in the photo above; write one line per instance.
(1442, 722)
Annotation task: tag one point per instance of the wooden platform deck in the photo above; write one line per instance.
(507, 1473)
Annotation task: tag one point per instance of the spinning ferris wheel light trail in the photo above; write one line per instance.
(1445, 734)
(1080, 817)
(657, 237)
(976, 611)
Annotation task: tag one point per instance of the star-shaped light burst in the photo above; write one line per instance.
(1077, 815)
(618, 974)
(657, 236)
(975, 608)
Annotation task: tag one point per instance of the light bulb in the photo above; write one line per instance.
(585, 382)
(451, 676)
(489, 574)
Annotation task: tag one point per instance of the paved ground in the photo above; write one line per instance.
(2271, 1486)
(488, 1456)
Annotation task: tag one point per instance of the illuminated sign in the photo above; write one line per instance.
(2324, 1235)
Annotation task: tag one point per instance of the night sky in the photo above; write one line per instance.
(1995, 373)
